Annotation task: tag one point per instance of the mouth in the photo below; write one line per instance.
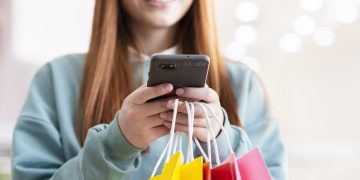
(159, 3)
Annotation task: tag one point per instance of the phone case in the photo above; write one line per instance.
(179, 70)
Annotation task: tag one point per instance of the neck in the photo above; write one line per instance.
(150, 40)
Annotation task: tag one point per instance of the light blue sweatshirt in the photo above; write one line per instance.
(45, 143)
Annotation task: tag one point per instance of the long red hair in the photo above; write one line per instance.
(107, 68)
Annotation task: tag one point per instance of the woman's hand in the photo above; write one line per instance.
(205, 94)
(139, 121)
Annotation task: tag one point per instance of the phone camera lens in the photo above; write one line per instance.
(168, 66)
(171, 66)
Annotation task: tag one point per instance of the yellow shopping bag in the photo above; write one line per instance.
(193, 170)
(171, 169)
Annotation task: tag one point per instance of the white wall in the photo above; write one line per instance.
(315, 92)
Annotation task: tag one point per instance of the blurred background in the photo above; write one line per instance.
(306, 52)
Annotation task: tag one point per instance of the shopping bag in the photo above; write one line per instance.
(171, 169)
(227, 169)
(206, 171)
(222, 171)
(174, 169)
(236, 171)
(192, 170)
(252, 166)
(249, 166)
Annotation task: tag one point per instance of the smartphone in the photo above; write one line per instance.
(181, 70)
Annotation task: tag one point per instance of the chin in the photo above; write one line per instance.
(157, 13)
(161, 22)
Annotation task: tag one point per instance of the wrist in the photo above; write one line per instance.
(117, 146)
(126, 135)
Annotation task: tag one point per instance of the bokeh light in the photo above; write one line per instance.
(290, 43)
(346, 13)
(247, 11)
(324, 36)
(304, 25)
(246, 34)
(311, 5)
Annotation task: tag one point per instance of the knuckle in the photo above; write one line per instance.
(132, 113)
(159, 89)
(169, 115)
(196, 122)
(213, 93)
(199, 111)
(141, 95)
(200, 122)
(208, 94)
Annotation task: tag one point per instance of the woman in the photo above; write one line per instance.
(87, 116)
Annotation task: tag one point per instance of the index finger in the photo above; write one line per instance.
(144, 93)
(206, 94)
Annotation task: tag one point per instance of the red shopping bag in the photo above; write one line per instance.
(222, 171)
(252, 166)
(236, 171)
(226, 170)
(206, 171)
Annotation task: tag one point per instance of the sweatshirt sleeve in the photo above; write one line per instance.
(37, 150)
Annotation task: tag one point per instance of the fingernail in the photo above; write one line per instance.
(170, 104)
(167, 87)
(180, 91)
(167, 124)
(163, 115)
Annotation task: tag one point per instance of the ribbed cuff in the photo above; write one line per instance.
(117, 145)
